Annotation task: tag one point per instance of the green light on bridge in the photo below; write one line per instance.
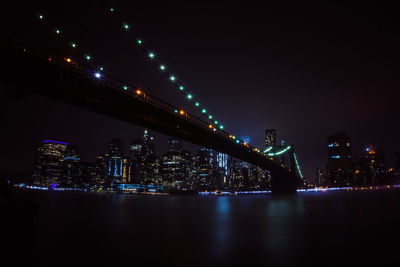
(125, 26)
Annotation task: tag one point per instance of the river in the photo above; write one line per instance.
(307, 229)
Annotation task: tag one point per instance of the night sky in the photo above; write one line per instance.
(308, 71)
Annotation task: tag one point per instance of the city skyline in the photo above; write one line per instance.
(334, 74)
(175, 167)
(199, 133)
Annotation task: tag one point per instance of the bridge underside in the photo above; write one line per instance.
(25, 74)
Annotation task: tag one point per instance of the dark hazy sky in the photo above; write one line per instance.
(307, 70)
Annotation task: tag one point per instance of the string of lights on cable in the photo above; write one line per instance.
(98, 74)
(172, 78)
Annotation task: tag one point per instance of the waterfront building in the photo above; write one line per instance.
(339, 167)
(205, 162)
(48, 169)
(320, 177)
(143, 161)
(173, 168)
(70, 167)
(115, 160)
(101, 171)
(372, 166)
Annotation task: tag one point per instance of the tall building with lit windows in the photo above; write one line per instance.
(49, 163)
(270, 137)
(115, 160)
(339, 168)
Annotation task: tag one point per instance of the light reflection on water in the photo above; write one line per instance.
(207, 230)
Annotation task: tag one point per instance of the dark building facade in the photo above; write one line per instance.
(270, 137)
(340, 167)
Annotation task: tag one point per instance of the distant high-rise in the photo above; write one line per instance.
(143, 161)
(174, 144)
(270, 137)
(115, 160)
(372, 165)
(320, 179)
(71, 171)
(49, 163)
(339, 168)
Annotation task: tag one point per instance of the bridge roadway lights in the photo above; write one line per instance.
(61, 83)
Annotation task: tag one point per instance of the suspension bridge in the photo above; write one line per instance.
(81, 82)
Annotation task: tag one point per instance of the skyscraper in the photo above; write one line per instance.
(339, 168)
(49, 163)
(143, 161)
(270, 137)
(372, 165)
(71, 171)
(174, 144)
(115, 160)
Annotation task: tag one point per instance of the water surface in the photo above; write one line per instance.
(307, 229)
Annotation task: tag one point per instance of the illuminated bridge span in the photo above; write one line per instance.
(53, 75)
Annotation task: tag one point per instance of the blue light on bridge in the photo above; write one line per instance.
(181, 88)
(152, 55)
(162, 67)
(189, 96)
(172, 78)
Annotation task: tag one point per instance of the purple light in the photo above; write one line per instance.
(54, 185)
(57, 142)
(97, 75)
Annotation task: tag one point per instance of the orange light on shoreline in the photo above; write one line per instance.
(138, 91)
